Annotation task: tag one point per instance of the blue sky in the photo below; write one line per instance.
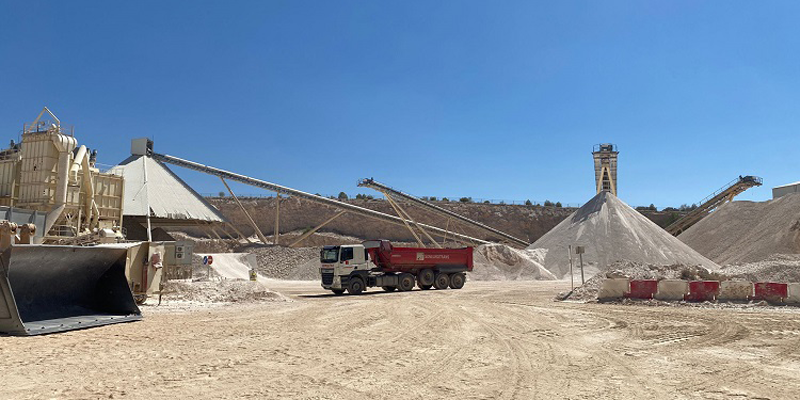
(500, 100)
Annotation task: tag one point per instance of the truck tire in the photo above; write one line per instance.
(338, 292)
(388, 288)
(425, 279)
(457, 280)
(405, 282)
(356, 286)
(441, 281)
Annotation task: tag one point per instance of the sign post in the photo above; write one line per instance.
(208, 260)
(579, 250)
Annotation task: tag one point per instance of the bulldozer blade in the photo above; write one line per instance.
(48, 289)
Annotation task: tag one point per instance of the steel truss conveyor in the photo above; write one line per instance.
(303, 195)
(373, 184)
(714, 200)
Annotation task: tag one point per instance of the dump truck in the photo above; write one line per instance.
(376, 263)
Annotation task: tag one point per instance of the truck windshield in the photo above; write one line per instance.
(329, 255)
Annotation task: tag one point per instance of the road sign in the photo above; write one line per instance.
(208, 260)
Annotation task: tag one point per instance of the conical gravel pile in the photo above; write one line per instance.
(747, 231)
(611, 231)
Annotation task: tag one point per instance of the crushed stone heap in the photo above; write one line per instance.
(498, 262)
(747, 231)
(610, 231)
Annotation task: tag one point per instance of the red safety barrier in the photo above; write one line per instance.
(642, 289)
(702, 291)
(772, 292)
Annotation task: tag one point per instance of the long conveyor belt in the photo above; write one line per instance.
(304, 195)
(373, 184)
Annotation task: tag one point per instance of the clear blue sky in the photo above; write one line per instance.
(486, 99)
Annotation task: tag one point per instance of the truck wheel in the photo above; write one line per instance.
(356, 286)
(388, 288)
(441, 281)
(405, 282)
(338, 292)
(425, 279)
(457, 280)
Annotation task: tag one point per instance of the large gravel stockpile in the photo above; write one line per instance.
(746, 231)
(610, 231)
(498, 262)
(280, 262)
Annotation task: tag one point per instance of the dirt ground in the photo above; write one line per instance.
(505, 340)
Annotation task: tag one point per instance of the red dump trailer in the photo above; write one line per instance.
(353, 268)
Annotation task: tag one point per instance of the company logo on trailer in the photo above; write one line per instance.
(423, 256)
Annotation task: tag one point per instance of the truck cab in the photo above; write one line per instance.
(339, 263)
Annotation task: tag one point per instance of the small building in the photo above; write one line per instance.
(783, 190)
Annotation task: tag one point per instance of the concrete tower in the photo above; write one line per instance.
(605, 167)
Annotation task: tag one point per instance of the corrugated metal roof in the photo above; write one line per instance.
(167, 195)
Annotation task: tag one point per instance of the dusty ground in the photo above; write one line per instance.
(482, 342)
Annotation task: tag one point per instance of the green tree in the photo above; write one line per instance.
(465, 199)
(343, 196)
(528, 203)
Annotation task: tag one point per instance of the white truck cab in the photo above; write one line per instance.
(339, 262)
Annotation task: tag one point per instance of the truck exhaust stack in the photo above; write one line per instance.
(47, 289)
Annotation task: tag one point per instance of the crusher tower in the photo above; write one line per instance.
(605, 167)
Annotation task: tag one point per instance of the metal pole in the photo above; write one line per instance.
(408, 217)
(246, 214)
(318, 227)
(581, 258)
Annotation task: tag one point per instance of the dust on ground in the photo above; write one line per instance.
(490, 340)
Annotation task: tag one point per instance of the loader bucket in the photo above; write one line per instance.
(48, 289)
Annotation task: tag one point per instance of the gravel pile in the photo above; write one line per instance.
(775, 268)
(611, 231)
(634, 270)
(498, 262)
(225, 291)
(746, 231)
(279, 262)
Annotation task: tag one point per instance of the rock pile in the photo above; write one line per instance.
(498, 262)
(746, 231)
(610, 231)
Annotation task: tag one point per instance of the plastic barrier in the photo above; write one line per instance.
(642, 289)
(613, 288)
(735, 291)
(702, 291)
(770, 291)
(671, 289)
(794, 293)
